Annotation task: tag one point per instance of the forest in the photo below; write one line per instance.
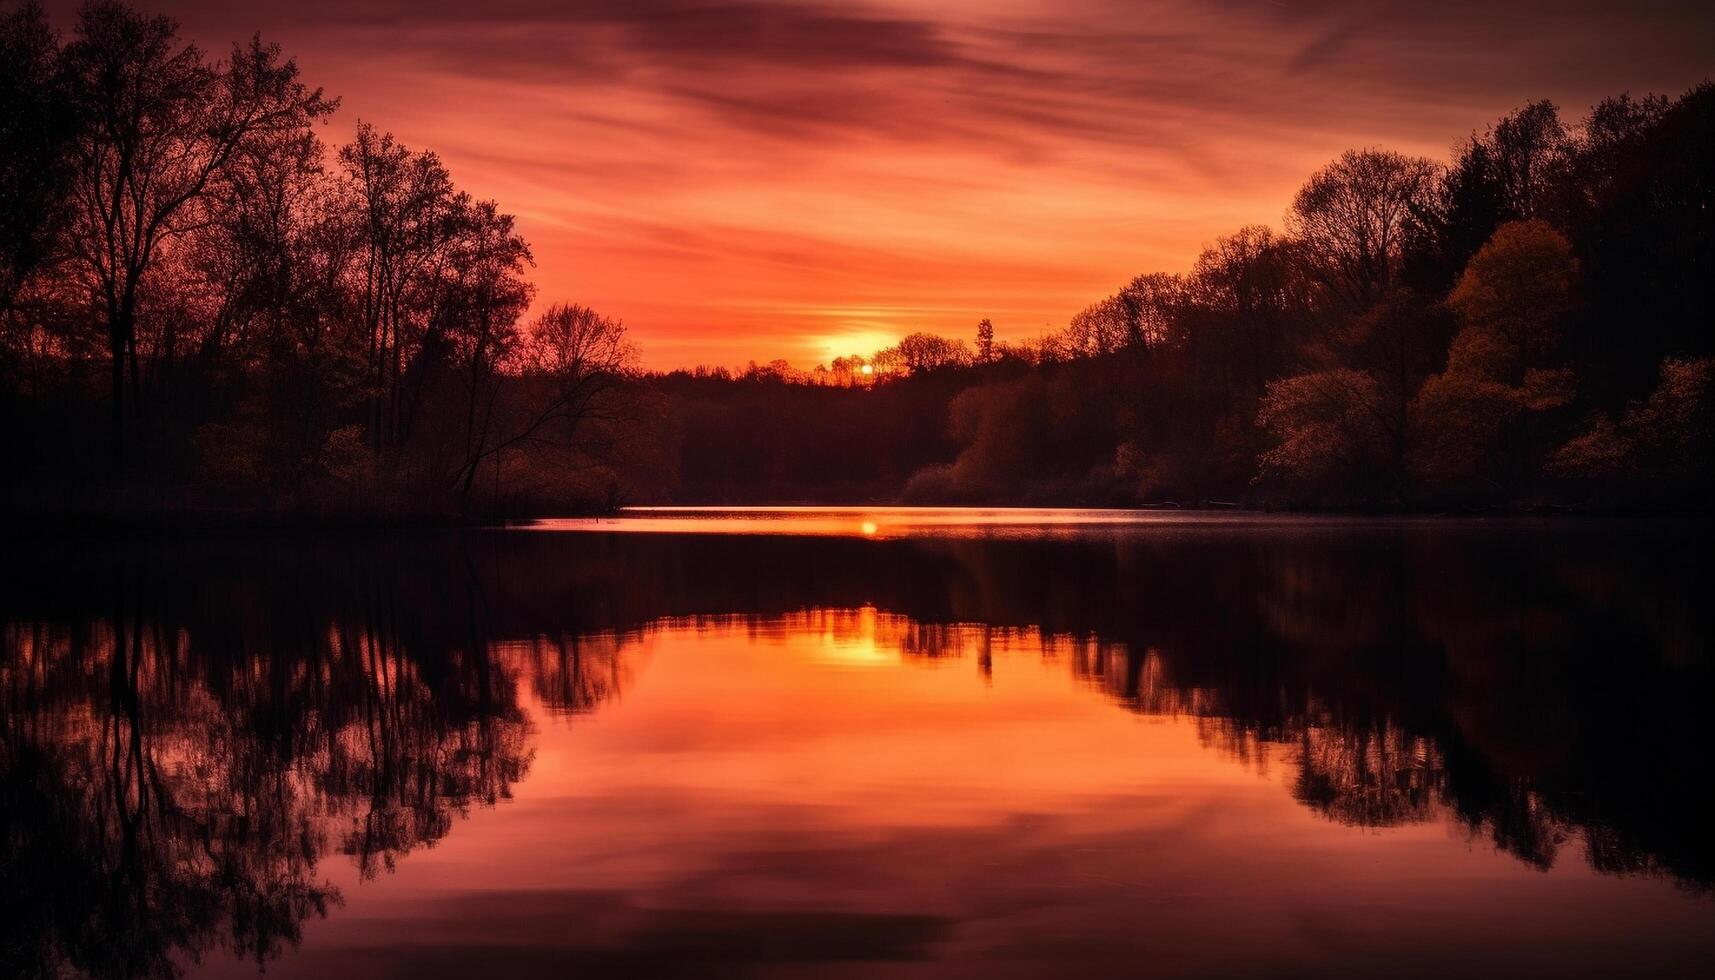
(208, 311)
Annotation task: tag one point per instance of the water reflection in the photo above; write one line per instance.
(171, 779)
(898, 521)
(197, 737)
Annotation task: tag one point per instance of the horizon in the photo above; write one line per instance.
(863, 173)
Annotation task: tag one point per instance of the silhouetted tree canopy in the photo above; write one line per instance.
(250, 322)
(1510, 329)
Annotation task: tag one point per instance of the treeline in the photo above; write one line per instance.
(1528, 324)
(204, 308)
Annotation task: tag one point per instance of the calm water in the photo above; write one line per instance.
(895, 742)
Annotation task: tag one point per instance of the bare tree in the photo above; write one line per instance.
(160, 124)
(927, 352)
(573, 356)
(1152, 303)
(1351, 217)
(405, 210)
(1100, 328)
(489, 295)
(1529, 149)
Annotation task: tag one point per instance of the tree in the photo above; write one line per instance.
(269, 369)
(160, 124)
(489, 295)
(1351, 218)
(1528, 150)
(1645, 228)
(1397, 344)
(1479, 414)
(571, 358)
(985, 341)
(920, 352)
(405, 213)
(1249, 302)
(1152, 304)
(1003, 431)
(1660, 444)
(1516, 170)
(1097, 329)
(1332, 433)
(37, 126)
(1512, 298)
(849, 370)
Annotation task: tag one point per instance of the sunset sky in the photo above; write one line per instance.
(752, 179)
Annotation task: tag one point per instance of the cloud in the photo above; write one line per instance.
(904, 153)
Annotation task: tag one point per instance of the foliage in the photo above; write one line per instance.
(1329, 426)
(1486, 419)
(282, 329)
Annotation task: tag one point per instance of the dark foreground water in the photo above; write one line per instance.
(892, 743)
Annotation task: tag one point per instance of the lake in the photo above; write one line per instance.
(818, 742)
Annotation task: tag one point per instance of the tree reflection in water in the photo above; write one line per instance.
(170, 783)
(189, 729)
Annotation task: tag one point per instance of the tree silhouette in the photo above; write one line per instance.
(1351, 217)
(37, 124)
(162, 125)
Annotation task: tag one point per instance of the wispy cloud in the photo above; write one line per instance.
(711, 169)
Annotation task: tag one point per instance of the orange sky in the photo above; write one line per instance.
(751, 179)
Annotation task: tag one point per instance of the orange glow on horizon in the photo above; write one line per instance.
(852, 174)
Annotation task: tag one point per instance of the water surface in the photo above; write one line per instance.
(935, 522)
(958, 744)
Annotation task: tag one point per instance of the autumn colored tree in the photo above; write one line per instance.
(1661, 446)
(1332, 434)
(1486, 418)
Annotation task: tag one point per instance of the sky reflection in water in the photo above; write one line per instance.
(932, 522)
(1224, 750)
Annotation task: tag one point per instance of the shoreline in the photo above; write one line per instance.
(25, 524)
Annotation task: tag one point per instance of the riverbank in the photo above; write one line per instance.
(134, 517)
